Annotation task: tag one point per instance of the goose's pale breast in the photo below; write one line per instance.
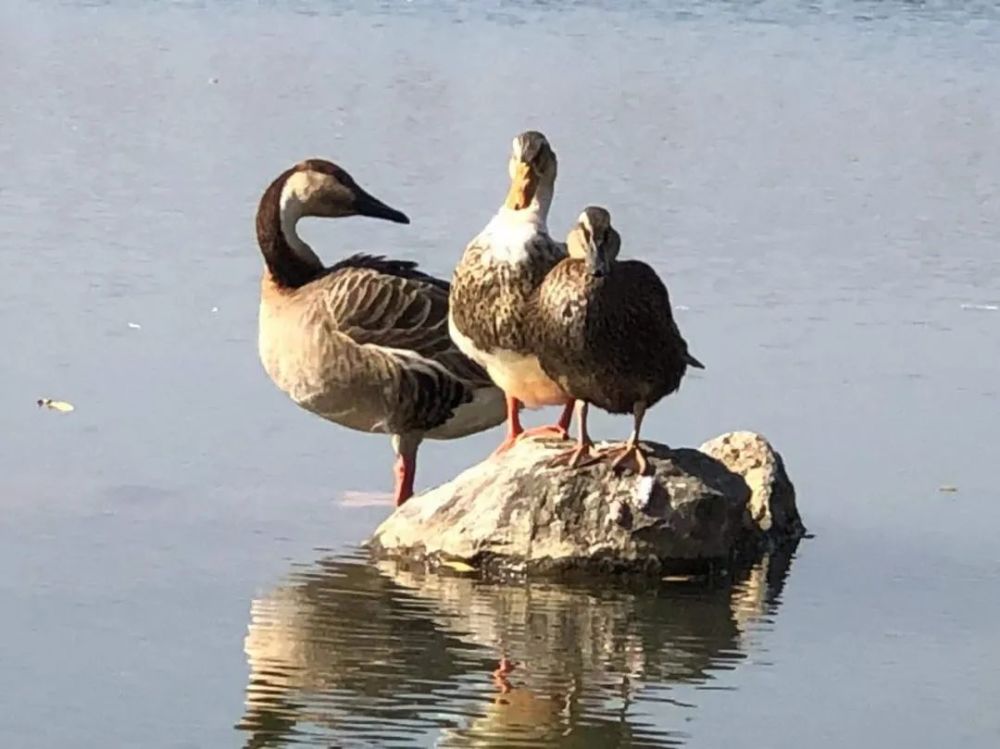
(318, 368)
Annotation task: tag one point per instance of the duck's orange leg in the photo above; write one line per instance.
(559, 430)
(514, 428)
(629, 455)
(583, 453)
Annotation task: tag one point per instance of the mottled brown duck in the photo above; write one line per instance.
(500, 271)
(604, 331)
(363, 343)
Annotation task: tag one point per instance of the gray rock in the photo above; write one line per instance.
(515, 513)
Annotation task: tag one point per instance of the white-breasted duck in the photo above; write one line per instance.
(498, 274)
(363, 343)
(605, 332)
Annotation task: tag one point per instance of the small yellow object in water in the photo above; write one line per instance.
(948, 488)
(62, 406)
(458, 566)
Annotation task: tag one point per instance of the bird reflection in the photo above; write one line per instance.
(350, 653)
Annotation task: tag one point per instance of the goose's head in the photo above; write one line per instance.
(594, 240)
(320, 188)
(532, 170)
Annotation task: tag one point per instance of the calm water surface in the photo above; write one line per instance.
(819, 183)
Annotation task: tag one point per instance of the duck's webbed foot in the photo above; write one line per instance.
(628, 457)
(559, 430)
(550, 431)
(509, 441)
(579, 456)
(582, 454)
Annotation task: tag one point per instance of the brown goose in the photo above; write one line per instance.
(498, 274)
(605, 332)
(363, 343)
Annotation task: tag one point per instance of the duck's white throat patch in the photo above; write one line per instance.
(512, 234)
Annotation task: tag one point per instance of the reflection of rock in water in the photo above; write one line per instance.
(335, 645)
(758, 590)
(348, 654)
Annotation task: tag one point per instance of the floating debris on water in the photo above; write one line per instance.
(982, 307)
(948, 489)
(215, 309)
(55, 405)
(135, 326)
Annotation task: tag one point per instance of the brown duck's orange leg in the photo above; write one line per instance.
(514, 428)
(630, 456)
(583, 453)
(559, 430)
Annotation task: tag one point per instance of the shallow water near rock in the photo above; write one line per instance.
(819, 185)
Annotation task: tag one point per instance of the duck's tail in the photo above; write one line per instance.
(692, 362)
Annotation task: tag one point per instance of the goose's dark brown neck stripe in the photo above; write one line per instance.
(287, 268)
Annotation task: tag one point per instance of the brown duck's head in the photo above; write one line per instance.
(532, 169)
(594, 240)
(316, 187)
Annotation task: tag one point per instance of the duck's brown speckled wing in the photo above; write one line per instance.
(490, 298)
(613, 340)
(398, 356)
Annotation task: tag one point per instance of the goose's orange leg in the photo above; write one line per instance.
(405, 470)
(405, 447)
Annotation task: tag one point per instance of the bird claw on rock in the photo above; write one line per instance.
(580, 456)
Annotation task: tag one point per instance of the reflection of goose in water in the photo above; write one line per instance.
(347, 654)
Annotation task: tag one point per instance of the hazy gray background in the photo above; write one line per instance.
(818, 185)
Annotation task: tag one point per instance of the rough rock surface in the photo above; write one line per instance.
(515, 513)
(772, 494)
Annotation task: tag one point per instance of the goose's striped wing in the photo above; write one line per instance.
(390, 303)
(398, 319)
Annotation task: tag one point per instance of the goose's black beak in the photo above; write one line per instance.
(367, 205)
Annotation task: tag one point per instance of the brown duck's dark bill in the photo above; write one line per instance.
(366, 205)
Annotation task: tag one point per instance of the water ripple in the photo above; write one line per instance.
(350, 653)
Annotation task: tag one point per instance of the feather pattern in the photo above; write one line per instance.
(610, 340)
(365, 342)
(490, 295)
(367, 345)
